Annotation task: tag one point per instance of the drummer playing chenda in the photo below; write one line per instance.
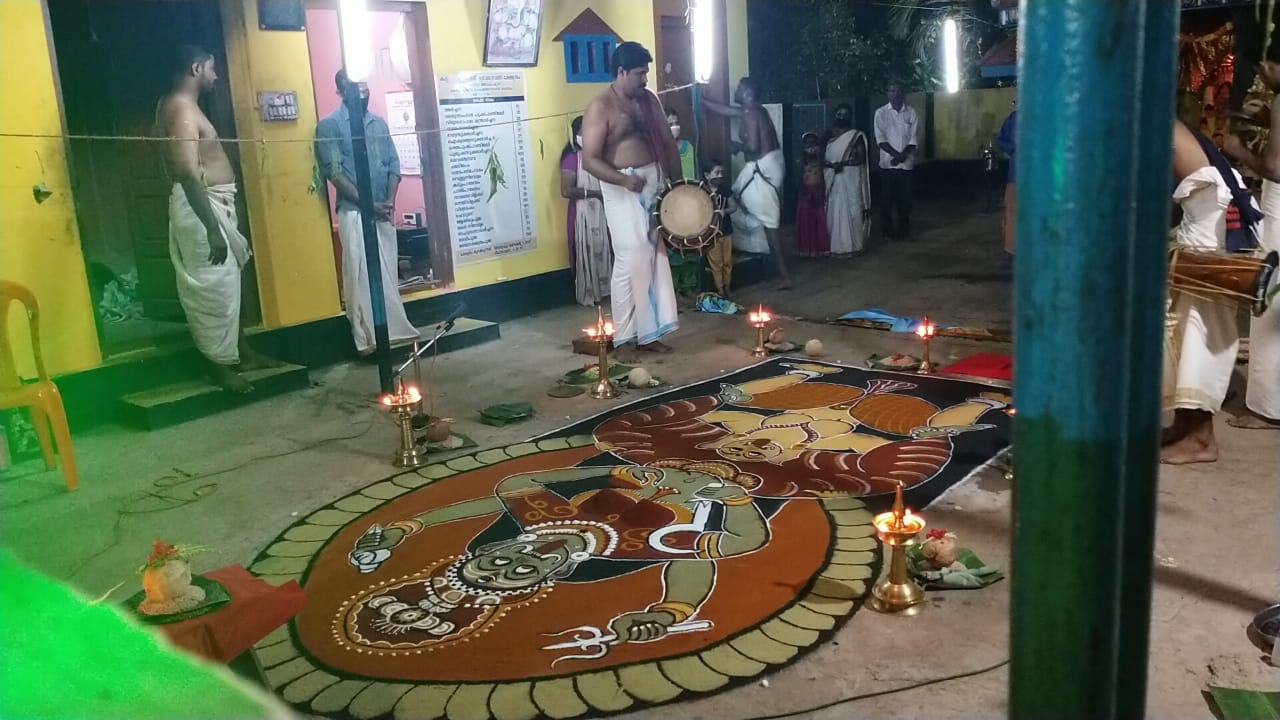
(1200, 354)
(627, 145)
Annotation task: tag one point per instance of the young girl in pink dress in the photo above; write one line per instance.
(812, 239)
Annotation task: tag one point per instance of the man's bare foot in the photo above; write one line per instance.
(655, 347)
(1173, 433)
(626, 354)
(1249, 420)
(1189, 450)
(783, 284)
(229, 380)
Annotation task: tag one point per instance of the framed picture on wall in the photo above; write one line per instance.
(513, 33)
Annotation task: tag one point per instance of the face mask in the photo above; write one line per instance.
(675, 131)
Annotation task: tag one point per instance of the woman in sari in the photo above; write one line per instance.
(848, 186)
(590, 255)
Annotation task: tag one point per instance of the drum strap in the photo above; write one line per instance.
(757, 174)
(1242, 215)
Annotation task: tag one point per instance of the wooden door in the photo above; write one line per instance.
(673, 67)
(111, 84)
(675, 70)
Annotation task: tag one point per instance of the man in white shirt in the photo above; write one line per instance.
(895, 127)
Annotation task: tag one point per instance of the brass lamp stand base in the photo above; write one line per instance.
(891, 597)
(898, 530)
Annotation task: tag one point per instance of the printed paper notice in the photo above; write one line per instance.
(487, 159)
(402, 120)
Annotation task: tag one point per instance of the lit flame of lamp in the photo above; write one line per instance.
(926, 330)
(401, 404)
(898, 529)
(759, 319)
(602, 334)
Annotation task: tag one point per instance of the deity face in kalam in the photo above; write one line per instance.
(524, 562)
(749, 449)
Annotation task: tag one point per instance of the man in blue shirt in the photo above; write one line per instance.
(1006, 142)
(336, 160)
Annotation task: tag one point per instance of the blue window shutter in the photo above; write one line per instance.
(586, 58)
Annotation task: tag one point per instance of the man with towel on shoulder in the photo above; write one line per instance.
(205, 243)
(1202, 340)
(758, 188)
(627, 145)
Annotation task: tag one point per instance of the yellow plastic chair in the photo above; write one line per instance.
(41, 396)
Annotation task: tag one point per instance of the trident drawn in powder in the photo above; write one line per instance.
(595, 642)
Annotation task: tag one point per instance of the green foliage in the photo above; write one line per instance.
(806, 50)
(820, 49)
(918, 23)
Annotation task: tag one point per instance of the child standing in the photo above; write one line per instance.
(812, 238)
(720, 255)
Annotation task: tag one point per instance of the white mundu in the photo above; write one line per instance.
(209, 294)
(355, 283)
(1201, 347)
(759, 191)
(642, 295)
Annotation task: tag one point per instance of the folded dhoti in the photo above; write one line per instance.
(1202, 339)
(356, 297)
(759, 191)
(210, 294)
(641, 292)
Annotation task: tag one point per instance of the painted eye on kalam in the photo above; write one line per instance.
(524, 570)
(501, 562)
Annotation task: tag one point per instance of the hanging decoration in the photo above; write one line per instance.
(1206, 58)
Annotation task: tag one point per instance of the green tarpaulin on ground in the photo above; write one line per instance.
(67, 658)
(1236, 704)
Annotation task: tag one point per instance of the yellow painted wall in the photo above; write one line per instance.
(965, 121)
(288, 223)
(457, 44)
(39, 243)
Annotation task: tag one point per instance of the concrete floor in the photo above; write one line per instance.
(232, 482)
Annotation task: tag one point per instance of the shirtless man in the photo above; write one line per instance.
(627, 145)
(758, 187)
(205, 243)
(1200, 351)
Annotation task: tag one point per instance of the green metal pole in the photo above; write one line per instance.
(1095, 121)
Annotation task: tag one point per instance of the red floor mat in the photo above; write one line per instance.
(987, 365)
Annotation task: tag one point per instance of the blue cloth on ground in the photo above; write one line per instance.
(712, 303)
(896, 324)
